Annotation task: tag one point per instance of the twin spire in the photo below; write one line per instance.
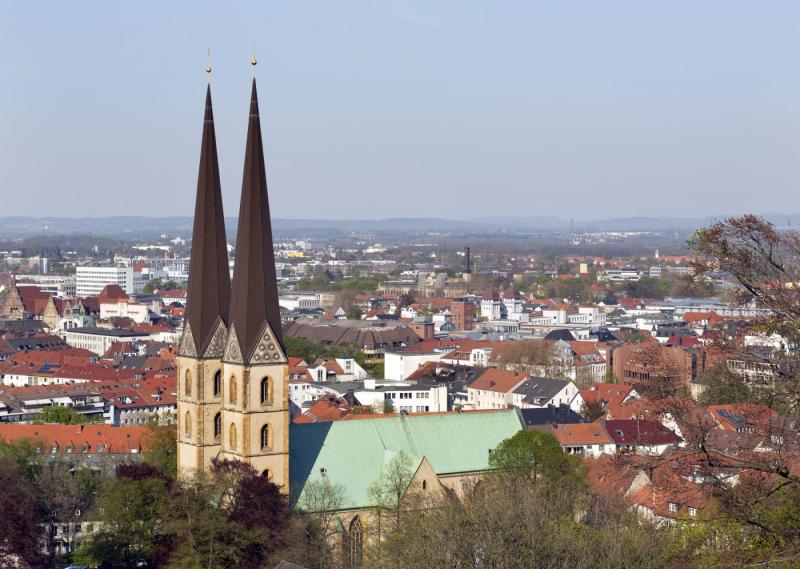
(243, 319)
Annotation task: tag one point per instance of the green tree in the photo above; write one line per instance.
(320, 505)
(648, 287)
(392, 494)
(22, 453)
(507, 522)
(539, 455)
(162, 447)
(61, 415)
(132, 508)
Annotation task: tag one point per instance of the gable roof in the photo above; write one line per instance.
(639, 432)
(113, 439)
(499, 380)
(540, 389)
(561, 415)
(451, 442)
(580, 434)
(111, 294)
(560, 334)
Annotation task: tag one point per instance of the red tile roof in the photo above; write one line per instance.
(639, 432)
(498, 380)
(580, 434)
(111, 294)
(92, 438)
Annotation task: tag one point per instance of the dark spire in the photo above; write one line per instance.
(254, 300)
(209, 291)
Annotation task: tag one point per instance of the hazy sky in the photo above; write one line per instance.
(456, 108)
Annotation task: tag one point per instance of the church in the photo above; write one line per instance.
(233, 380)
(233, 399)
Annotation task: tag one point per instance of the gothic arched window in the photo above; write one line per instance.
(217, 426)
(232, 389)
(187, 424)
(232, 436)
(354, 544)
(217, 383)
(187, 383)
(265, 437)
(266, 390)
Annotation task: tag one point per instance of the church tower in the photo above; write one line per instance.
(256, 375)
(200, 368)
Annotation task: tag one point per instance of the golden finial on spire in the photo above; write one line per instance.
(254, 61)
(208, 67)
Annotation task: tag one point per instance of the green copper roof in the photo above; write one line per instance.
(353, 453)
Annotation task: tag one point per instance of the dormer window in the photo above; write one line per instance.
(673, 507)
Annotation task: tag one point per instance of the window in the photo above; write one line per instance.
(187, 424)
(354, 545)
(266, 390)
(232, 436)
(217, 383)
(217, 426)
(232, 389)
(692, 511)
(265, 436)
(187, 383)
(673, 507)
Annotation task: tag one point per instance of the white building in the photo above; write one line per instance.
(55, 286)
(492, 309)
(407, 398)
(399, 365)
(139, 313)
(99, 340)
(590, 315)
(619, 275)
(91, 280)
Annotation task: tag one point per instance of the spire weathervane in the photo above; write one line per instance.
(208, 67)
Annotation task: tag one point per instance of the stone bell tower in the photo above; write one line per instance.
(200, 368)
(256, 391)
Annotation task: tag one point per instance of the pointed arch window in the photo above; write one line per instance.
(232, 442)
(232, 395)
(266, 390)
(217, 426)
(217, 383)
(354, 544)
(187, 424)
(266, 437)
(187, 383)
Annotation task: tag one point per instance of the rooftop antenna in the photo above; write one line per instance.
(208, 66)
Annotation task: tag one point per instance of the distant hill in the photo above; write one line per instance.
(132, 227)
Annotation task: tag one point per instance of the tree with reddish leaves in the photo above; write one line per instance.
(232, 517)
(22, 514)
(765, 262)
(747, 453)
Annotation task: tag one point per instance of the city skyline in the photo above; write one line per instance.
(407, 110)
